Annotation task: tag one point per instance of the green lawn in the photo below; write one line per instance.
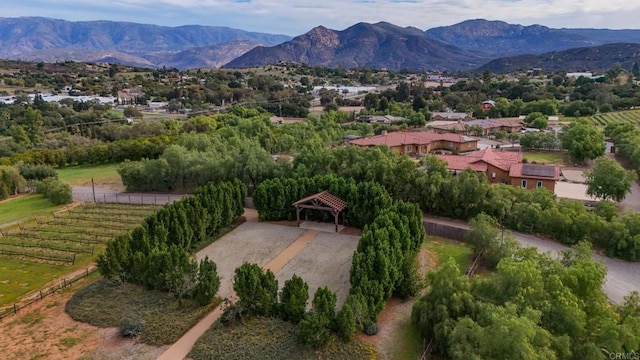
(445, 248)
(547, 158)
(19, 277)
(103, 175)
(25, 207)
(409, 343)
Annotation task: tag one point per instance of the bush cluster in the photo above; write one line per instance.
(55, 190)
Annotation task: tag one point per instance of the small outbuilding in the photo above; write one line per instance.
(321, 201)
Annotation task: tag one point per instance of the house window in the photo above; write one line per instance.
(524, 184)
(539, 184)
(409, 148)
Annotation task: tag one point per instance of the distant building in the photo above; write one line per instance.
(489, 126)
(455, 116)
(488, 104)
(420, 143)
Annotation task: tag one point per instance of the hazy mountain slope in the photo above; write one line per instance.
(498, 38)
(598, 58)
(19, 36)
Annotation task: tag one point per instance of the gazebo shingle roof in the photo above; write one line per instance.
(325, 198)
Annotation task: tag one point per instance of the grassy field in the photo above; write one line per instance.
(270, 338)
(25, 207)
(561, 159)
(18, 277)
(164, 319)
(104, 176)
(445, 248)
(50, 247)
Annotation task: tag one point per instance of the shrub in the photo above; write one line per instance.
(293, 299)
(131, 328)
(371, 329)
(36, 171)
(314, 330)
(208, 282)
(55, 190)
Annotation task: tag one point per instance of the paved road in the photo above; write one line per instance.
(86, 194)
(622, 276)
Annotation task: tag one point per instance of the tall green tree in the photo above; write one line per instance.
(293, 299)
(257, 290)
(609, 180)
(583, 141)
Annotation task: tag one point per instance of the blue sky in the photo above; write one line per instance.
(293, 17)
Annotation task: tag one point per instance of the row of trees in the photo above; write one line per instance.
(533, 307)
(384, 262)
(257, 291)
(157, 255)
(114, 152)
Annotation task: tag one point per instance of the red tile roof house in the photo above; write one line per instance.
(505, 167)
(489, 126)
(420, 143)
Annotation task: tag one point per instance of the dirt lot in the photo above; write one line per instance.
(45, 331)
(325, 261)
(250, 242)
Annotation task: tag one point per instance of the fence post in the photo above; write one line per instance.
(105, 197)
(40, 294)
(88, 271)
(15, 309)
(141, 199)
(155, 200)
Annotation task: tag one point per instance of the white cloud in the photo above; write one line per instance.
(296, 17)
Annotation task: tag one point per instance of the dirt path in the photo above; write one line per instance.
(396, 316)
(181, 348)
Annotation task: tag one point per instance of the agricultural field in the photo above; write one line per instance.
(42, 250)
(632, 116)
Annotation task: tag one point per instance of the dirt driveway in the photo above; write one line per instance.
(325, 261)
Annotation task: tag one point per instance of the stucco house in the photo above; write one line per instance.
(420, 143)
(505, 167)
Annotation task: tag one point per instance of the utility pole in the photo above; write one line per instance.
(93, 188)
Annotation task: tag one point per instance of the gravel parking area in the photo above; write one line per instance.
(325, 261)
(250, 242)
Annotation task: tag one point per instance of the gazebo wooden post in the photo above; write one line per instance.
(335, 216)
(298, 216)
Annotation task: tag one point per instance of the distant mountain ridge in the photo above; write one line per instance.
(38, 38)
(595, 58)
(498, 38)
(464, 46)
(380, 45)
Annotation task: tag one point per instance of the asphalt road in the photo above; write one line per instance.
(622, 276)
(86, 194)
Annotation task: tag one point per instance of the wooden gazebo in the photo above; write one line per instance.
(321, 201)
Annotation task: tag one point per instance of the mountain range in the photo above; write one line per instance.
(469, 45)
